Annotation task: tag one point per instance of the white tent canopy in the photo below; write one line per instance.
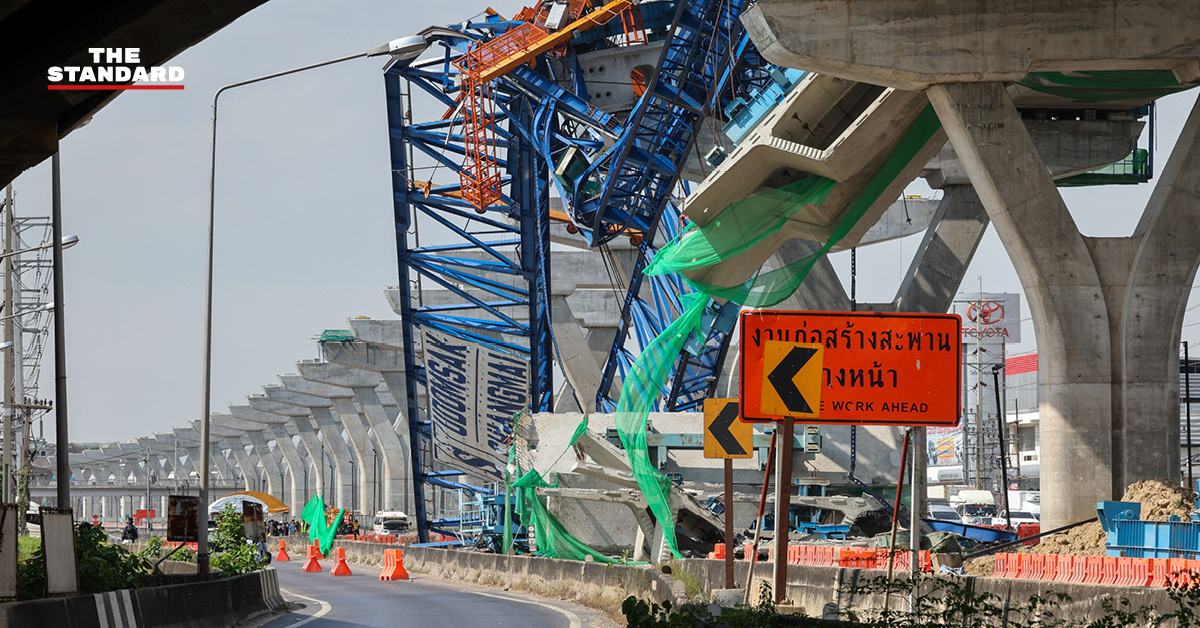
(236, 501)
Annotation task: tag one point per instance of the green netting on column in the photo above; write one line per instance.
(553, 539)
(318, 529)
(739, 227)
(642, 386)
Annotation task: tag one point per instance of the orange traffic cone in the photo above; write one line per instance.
(340, 568)
(282, 555)
(393, 565)
(311, 565)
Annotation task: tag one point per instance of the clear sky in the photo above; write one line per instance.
(304, 216)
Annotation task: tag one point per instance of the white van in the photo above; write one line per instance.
(389, 522)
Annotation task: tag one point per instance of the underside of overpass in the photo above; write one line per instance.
(36, 35)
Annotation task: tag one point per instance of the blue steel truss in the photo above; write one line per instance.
(495, 264)
(707, 59)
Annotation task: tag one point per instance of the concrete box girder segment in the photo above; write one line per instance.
(300, 421)
(385, 364)
(307, 395)
(276, 425)
(362, 384)
(912, 44)
(253, 432)
(783, 147)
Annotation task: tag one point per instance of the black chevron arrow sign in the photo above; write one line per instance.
(720, 430)
(782, 376)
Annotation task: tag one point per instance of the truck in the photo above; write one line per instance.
(972, 503)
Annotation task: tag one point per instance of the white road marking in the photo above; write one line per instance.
(325, 608)
(572, 617)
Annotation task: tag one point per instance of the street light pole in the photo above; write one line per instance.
(407, 47)
(63, 469)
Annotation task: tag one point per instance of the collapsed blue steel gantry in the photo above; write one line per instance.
(491, 254)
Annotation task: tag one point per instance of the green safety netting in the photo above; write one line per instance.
(644, 382)
(553, 539)
(337, 335)
(1105, 86)
(318, 529)
(739, 227)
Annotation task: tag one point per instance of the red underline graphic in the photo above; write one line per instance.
(90, 86)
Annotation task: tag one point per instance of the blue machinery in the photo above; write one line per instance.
(494, 260)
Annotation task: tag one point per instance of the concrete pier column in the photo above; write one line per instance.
(254, 434)
(192, 438)
(292, 418)
(276, 425)
(358, 368)
(317, 399)
(1107, 311)
(356, 425)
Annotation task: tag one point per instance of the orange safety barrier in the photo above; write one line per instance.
(793, 554)
(718, 551)
(393, 565)
(1000, 568)
(1025, 530)
(1093, 569)
(1049, 568)
(282, 556)
(311, 565)
(317, 546)
(1158, 573)
(340, 568)
(1063, 566)
(812, 555)
(1078, 570)
(1177, 571)
(1108, 570)
(1139, 572)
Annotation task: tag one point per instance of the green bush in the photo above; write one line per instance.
(234, 556)
(101, 566)
(153, 548)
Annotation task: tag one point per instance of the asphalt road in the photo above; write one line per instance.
(363, 600)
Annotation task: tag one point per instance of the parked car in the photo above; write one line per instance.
(1017, 517)
(942, 512)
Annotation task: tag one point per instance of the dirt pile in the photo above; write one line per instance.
(1159, 499)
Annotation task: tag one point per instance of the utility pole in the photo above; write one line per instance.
(148, 506)
(9, 358)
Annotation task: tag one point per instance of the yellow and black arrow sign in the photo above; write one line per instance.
(725, 434)
(792, 386)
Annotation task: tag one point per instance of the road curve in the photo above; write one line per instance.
(363, 600)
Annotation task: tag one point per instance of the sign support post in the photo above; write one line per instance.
(729, 523)
(783, 502)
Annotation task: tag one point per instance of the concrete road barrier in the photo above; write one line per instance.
(205, 604)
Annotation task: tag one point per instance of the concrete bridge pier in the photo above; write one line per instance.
(1107, 311)
(254, 433)
(317, 399)
(274, 425)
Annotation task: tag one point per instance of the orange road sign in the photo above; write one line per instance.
(791, 387)
(725, 436)
(879, 369)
